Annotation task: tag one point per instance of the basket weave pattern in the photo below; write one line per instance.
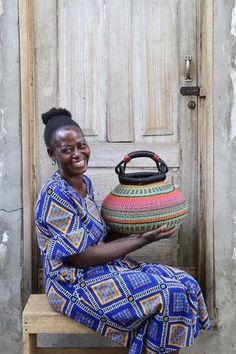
(139, 208)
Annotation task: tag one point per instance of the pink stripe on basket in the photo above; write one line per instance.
(147, 202)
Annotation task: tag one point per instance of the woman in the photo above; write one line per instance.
(148, 308)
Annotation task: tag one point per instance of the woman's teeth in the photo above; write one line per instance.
(79, 163)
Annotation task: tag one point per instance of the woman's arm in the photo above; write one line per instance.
(106, 252)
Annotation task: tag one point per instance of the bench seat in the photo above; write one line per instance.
(39, 318)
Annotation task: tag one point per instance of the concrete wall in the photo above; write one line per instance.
(10, 181)
(225, 172)
(220, 341)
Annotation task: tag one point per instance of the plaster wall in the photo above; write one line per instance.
(10, 181)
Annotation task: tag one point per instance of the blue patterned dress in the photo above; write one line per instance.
(147, 307)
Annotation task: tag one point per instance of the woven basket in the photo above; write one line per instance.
(143, 201)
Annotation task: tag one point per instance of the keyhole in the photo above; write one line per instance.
(191, 104)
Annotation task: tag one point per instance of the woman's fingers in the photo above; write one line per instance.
(159, 233)
(165, 233)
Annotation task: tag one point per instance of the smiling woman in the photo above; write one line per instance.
(150, 308)
(67, 147)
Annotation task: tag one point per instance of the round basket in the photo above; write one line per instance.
(143, 201)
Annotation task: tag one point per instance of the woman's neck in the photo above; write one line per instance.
(77, 183)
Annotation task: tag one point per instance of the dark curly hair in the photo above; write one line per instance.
(56, 118)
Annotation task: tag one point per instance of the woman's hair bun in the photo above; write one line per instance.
(55, 112)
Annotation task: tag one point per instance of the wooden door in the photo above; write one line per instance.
(118, 65)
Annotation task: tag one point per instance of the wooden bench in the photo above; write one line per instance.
(39, 318)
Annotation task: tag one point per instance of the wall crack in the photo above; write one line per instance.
(10, 211)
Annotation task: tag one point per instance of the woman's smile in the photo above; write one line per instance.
(79, 163)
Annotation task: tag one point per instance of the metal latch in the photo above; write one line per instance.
(190, 91)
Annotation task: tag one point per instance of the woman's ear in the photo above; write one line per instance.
(51, 154)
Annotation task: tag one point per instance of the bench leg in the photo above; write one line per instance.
(29, 343)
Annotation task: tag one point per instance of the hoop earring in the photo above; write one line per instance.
(53, 162)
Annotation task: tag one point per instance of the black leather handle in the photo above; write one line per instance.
(142, 177)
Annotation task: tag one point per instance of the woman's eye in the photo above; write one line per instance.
(83, 146)
(66, 151)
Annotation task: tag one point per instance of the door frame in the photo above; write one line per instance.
(205, 149)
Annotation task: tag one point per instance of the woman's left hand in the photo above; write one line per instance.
(159, 233)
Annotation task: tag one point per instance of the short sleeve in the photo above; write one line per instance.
(61, 231)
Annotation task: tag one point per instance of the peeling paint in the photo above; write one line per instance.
(234, 217)
(234, 255)
(3, 130)
(3, 249)
(1, 8)
(5, 237)
(3, 133)
(233, 21)
(233, 112)
(233, 77)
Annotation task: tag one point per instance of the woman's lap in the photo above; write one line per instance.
(133, 303)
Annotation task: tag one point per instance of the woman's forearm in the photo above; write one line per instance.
(106, 252)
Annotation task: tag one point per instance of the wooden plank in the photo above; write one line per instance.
(29, 343)
(82, 350)
(28, 119)
(109, 155)
(119, 95)
(45, 76)
(52, 324)
(205, 158)
(155, 78)
(39, 317)
(82, 63)
(188, 127)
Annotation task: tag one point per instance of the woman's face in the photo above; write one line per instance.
(70, 150)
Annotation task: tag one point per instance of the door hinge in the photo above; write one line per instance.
(193, 91)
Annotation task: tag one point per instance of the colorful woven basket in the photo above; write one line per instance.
(143, 201)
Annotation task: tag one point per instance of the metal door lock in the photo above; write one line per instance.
(191, 104)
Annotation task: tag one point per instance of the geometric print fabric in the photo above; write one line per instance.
(59, 217)
(106, 291)
(148, 308)
(178, 335)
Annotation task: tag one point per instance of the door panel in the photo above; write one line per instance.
(118, 66)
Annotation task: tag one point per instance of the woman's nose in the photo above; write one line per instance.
(76, 152)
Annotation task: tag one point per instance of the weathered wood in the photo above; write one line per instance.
(29, 343)
(188, 127)
(82, 350)
(155, 69)
(119, 71)
(39, 317)
(205, 159)
(109, 155)
(27, 129)
(45, 77)
(81, 61)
